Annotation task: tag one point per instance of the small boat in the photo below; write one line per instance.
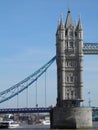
(46, 122)
(4, 124)
(13, 124)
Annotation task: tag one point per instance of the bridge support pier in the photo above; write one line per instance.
(71, 118)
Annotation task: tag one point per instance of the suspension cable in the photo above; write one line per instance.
(17, 100)
(45, 91)
(36, 94)
(22, 85)
(27, 98)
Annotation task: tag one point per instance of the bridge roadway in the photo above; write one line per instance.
(32, 110)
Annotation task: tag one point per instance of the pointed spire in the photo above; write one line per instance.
(58, 23)
(61, 23)
(79, 25)
(68, 19)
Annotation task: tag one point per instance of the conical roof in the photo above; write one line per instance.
(79, 25)
(68, 19)
(61, 26)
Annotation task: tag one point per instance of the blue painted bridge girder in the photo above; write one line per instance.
(33, 110)
(26, 110)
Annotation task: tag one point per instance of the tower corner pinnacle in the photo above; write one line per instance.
(79, 25)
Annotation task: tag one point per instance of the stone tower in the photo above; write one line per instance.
(68, 112)
(69, 44)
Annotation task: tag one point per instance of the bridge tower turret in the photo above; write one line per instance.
(69, 44)
(69, 57)
(79, 44)
(60, 52)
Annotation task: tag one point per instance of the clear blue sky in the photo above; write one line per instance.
(27, 41)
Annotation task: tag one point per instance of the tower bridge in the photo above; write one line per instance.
(69, 56)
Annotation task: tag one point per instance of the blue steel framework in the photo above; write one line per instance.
(24, 84)
(88, 48)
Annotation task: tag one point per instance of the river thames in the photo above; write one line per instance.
(31, 127)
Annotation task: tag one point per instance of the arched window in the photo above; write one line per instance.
(71, 44)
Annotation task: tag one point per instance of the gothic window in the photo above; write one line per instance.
(62, 35)
(69, 63)
(71, 78)
(67, 78)
(71, 44)
(75, 33)
(73, 64)
(71, 33)
(66, 32)
(68, 95)
(72, 93)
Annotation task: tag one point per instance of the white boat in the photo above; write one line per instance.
(46, 122)
(13, 124)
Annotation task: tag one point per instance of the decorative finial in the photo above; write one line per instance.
(61, 17)
(68, 7)
(79, 16)
(59, 21)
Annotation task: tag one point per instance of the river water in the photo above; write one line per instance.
(31, 127)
